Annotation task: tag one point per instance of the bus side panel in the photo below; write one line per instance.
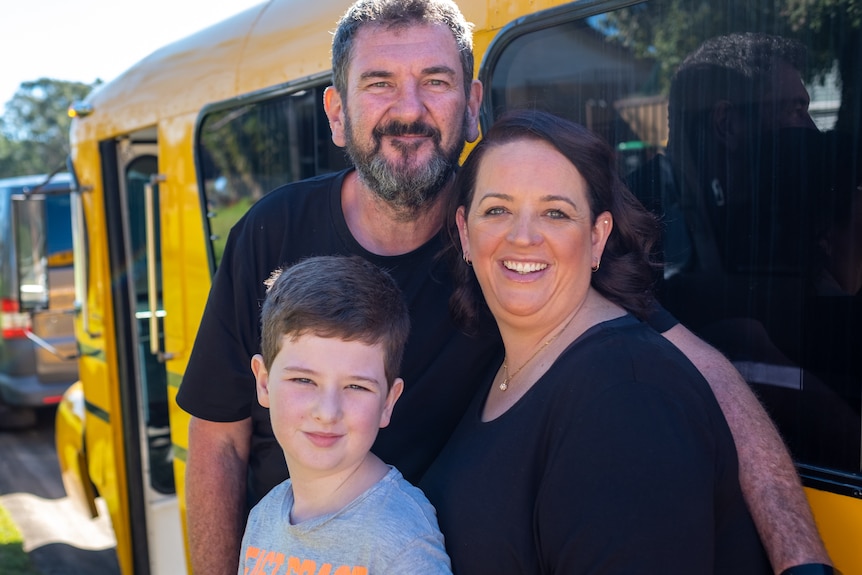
(180, 439)
(186, 262)
(839, 519)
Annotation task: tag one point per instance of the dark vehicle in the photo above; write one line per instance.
(38, 351)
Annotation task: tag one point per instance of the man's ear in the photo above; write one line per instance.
(727, 125)
(334, 108)
(261, 377)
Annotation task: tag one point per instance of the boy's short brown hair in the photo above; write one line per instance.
(344, 297)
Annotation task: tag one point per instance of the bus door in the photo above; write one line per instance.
(132, 206)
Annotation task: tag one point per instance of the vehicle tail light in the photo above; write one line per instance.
(14, 323)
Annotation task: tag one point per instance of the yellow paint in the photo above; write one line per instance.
(839, 519)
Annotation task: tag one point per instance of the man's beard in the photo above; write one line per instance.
(406, 188)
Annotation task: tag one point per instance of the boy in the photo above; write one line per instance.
(333, 333)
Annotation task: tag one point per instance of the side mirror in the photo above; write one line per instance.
(28, 222)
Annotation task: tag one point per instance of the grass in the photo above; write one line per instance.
(13, 559)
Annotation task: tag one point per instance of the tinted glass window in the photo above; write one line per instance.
(59, 215)
(248, 150)
(758, 189)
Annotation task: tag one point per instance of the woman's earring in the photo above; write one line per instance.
(467, 260)
(596, 265)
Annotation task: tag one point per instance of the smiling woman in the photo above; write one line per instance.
(504, 229)
(561, 251)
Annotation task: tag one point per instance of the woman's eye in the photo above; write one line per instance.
(494, 211)
(557, 214)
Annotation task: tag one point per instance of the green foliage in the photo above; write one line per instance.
(822, 14)
(13, 559)
(668, 30)
(34, 129)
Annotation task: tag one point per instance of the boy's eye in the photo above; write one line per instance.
(358, 387)
(301, 380)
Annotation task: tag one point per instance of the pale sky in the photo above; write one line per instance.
(81, 40)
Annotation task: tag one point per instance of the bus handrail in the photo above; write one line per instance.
(149, 198)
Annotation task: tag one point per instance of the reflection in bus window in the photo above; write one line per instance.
(248, 150)
(740, 126)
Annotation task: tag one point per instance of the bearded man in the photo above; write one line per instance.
(402, 104)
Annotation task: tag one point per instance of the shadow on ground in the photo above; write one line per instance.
(65, 559)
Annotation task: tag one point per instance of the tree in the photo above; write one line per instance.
(667, 30)
(34, 130)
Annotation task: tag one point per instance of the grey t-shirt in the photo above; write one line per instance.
(390, 528)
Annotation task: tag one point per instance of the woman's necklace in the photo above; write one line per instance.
(507, 378)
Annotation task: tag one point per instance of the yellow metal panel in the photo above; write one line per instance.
(185, 263)
(98, 368)
(290, 41)
(180, 439)
(839, 519)
(69, 432)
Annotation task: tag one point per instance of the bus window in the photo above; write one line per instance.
(247, 150)
(757, 189)
(59, 224)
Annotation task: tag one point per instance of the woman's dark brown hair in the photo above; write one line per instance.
(627, 269)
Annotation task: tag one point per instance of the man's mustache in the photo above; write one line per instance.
(417, 128)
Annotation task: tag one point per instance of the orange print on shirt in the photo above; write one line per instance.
(259, 561)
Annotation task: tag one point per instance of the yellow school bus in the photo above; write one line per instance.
(169, 155)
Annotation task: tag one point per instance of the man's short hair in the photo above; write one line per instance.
(394, 14)
(344, 297)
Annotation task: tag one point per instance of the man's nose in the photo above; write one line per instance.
(409, 105)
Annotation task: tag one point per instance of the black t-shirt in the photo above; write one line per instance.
(617, 460)
(441, 368)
